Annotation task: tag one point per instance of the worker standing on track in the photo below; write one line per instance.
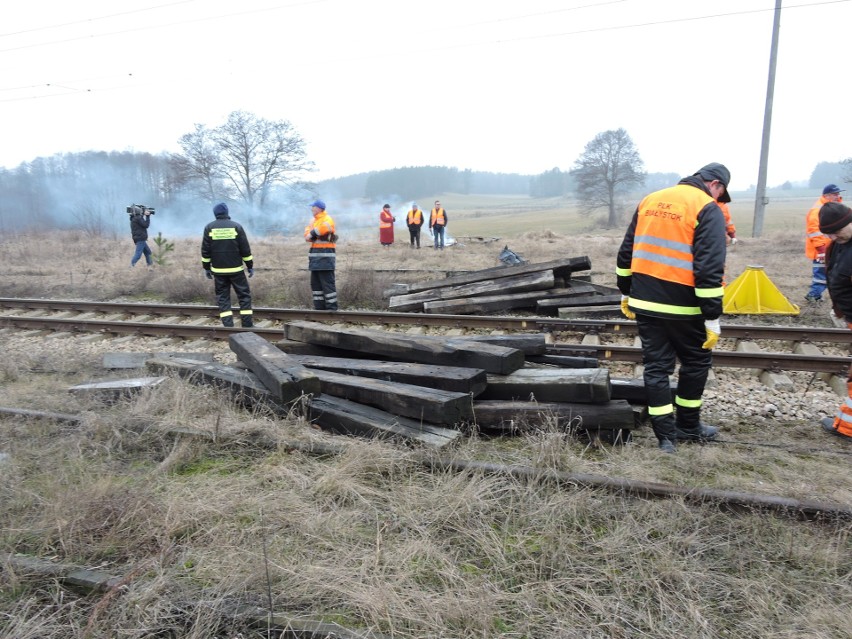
(669, 269)
(224, 250)
(835, 221)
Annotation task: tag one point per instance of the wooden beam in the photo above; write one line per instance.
(343, 416)
(409, 348)
(561, 269)
(470, 381)
(586, 385)
(420, 403)
(280, 373)
(511, 417)
(516, 284)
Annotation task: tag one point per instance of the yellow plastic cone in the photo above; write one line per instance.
(753, 293)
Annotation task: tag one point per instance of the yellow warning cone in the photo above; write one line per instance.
(753, 293)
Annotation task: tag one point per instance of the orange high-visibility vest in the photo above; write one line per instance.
(665, 230)
(415, 217)
(324, 226)
(437, 217)
(815, 240)
(385, 220)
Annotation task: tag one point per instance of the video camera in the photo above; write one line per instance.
(139, 209)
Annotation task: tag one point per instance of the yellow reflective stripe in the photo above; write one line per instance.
(248, 312)
(223, 234)
(709, 292)
(225, 314)
(671, 309)
(248, 259)
(624, 272)
(668, 409)
(204, 260)
(687, 403)
(235, 269)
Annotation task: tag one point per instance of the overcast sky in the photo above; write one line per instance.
(490, 85)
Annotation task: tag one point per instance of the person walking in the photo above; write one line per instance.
(140, 220)
(414, 219)
(815, 242)
(386, 220)
(438, 224)
(225, 251)
(669, 270)
(322, 258)
(835, 222)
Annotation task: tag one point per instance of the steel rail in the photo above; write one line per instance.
(493, 322)
(725, 359)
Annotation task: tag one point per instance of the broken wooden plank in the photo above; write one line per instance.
(245, 386)
(471, 381)
(280, 373)
(551, 306)
(500, 416)
(515, 284)
(491, 303)
(411, 348)
(587, 385)
(528, 343)
(137, 360)
(113, 390)
(340, 415)
(562, 268)
(427, 404)
(605, 310)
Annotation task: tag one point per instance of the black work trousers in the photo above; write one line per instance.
(239, 282)
(663, 342)
(414, 232)
(324, 290)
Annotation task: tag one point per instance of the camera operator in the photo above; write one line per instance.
(140, 220)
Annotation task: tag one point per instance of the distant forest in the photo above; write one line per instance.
(90, 191)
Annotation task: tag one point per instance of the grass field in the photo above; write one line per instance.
(369, 538)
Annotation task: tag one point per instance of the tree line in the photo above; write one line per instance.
(262, 166)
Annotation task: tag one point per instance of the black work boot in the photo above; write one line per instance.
(690, 428)
(664, 429)
(247, 323)
(228, 322)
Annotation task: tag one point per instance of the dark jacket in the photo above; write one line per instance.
(669, 299)
(225, 247)
(838, 268)
(139, 224)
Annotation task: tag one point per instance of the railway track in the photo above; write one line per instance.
(188, 321)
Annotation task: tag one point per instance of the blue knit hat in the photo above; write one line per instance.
(220, 209)
(319, 204)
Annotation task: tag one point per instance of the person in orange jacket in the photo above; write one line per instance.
(835, 221)
(322, 258)
(386, 220)
(816, 242)
(730, 229)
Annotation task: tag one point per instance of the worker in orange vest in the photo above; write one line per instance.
(730, 229)
(669, 270)
(438, 224)
(322, 258)
(414, 219)
(816, 242)
(835, 221)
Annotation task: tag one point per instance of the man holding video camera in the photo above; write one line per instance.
(140, 220)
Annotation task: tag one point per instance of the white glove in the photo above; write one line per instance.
(733, 241)
(713, 329)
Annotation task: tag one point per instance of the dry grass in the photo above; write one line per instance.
(369, 538)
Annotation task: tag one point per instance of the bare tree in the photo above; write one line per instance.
(242, 158)
(609, 164)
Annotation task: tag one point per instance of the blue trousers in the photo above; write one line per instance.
(438, 232)
(818, 280)
(142, 248)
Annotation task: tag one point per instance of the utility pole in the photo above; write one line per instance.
(760, 199)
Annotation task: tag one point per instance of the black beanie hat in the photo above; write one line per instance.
(220, 210)
(833, 216)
